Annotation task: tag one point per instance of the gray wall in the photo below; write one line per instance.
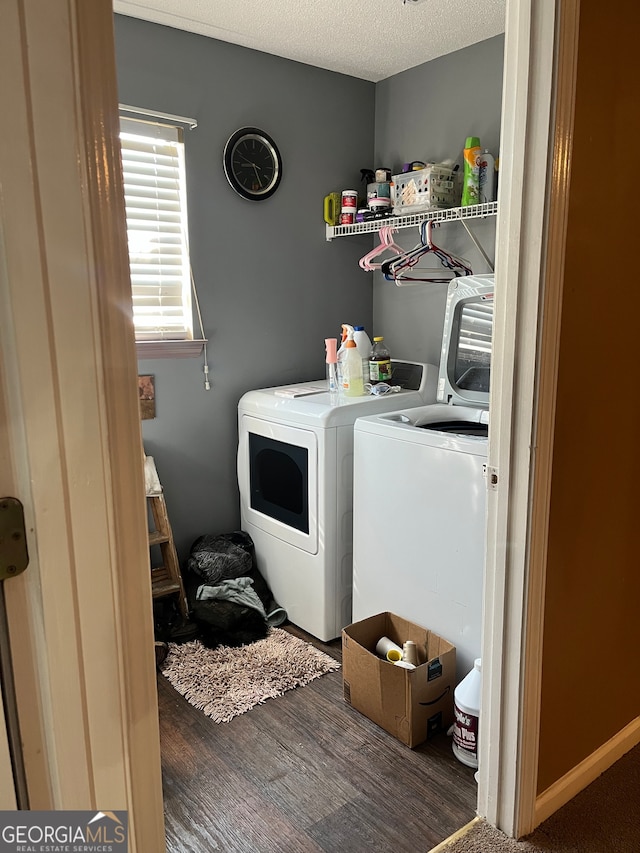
(271, 287)
(426, 114)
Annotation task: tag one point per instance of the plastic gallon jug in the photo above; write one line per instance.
(352, 384)
(466, 708)
(363, 345)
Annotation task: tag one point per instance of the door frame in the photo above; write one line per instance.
(541, 51)
(58, 648)
(80, 617)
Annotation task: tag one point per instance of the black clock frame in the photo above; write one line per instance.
(231, 171)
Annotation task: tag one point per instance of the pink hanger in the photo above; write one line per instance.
(386, 243)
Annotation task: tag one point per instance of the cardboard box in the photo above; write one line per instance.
(409, 704)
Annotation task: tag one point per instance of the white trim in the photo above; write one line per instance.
(169, 349)
(191, 123)
(464, 830)
(549, 346)
(507, 777)
(594, 765)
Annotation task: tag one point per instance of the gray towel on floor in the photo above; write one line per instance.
(239, 590)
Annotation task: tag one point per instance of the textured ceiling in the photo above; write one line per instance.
(370, 39)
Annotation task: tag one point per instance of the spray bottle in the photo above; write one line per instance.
(346, 328)
(352, 382)
(332, 364)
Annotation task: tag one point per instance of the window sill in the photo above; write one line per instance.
(169, 349)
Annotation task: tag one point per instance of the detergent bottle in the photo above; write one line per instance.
(363, 345)
(471, 179)
(352, 382)
(346, 329)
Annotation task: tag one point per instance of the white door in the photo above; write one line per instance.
(80, 617)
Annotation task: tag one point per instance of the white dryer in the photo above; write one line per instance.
(295, 475)
(420, 489)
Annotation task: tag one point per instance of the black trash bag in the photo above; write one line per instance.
(226, 557)
(216, 558)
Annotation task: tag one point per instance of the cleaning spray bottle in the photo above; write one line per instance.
(352, 382)
(346, 328)
(331, 345)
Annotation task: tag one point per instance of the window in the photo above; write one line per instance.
(155, 199)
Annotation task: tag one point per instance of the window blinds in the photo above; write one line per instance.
(155, 200)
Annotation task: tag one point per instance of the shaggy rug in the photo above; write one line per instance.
(227, 681)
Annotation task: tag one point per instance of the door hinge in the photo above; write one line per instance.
(14, 557)
(491, 476)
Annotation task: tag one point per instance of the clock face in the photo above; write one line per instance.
(252, 164)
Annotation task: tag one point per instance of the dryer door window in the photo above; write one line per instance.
(279, 480)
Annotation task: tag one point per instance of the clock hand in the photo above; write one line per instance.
(246, 160)
(257, 175)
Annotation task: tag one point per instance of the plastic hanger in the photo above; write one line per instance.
(385, 235)
(397, 269)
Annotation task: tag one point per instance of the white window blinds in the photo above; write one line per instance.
(155, 199)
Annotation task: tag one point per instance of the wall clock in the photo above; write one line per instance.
(252, 163)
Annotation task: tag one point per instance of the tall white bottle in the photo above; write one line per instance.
(466, 708)
(363, 345)
(352, 383)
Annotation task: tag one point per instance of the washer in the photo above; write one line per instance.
(295, 475)
(420, 489)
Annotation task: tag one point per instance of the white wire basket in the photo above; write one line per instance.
(432, 187)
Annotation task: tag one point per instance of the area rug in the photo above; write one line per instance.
(227, 681)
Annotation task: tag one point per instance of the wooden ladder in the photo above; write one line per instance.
(166, 579)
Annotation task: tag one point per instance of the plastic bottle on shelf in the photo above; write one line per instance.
(466, 708)
(352, 382)
(379, 362)
(471, 176)
(364, 346)
(487, 177)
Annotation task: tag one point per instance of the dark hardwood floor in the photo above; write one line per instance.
(305, 773)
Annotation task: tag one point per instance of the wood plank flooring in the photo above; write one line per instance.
(305, 773)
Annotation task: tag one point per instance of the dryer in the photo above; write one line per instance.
(420, 489)
(295, 475)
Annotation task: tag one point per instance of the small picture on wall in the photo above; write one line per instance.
(147, 394)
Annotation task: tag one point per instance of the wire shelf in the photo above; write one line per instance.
(449, 214)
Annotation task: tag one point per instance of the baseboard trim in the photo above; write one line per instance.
(583, 774)
(442, 847)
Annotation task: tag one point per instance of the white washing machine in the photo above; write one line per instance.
(420, 489)
(295, 475)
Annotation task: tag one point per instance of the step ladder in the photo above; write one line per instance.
(166, 579)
